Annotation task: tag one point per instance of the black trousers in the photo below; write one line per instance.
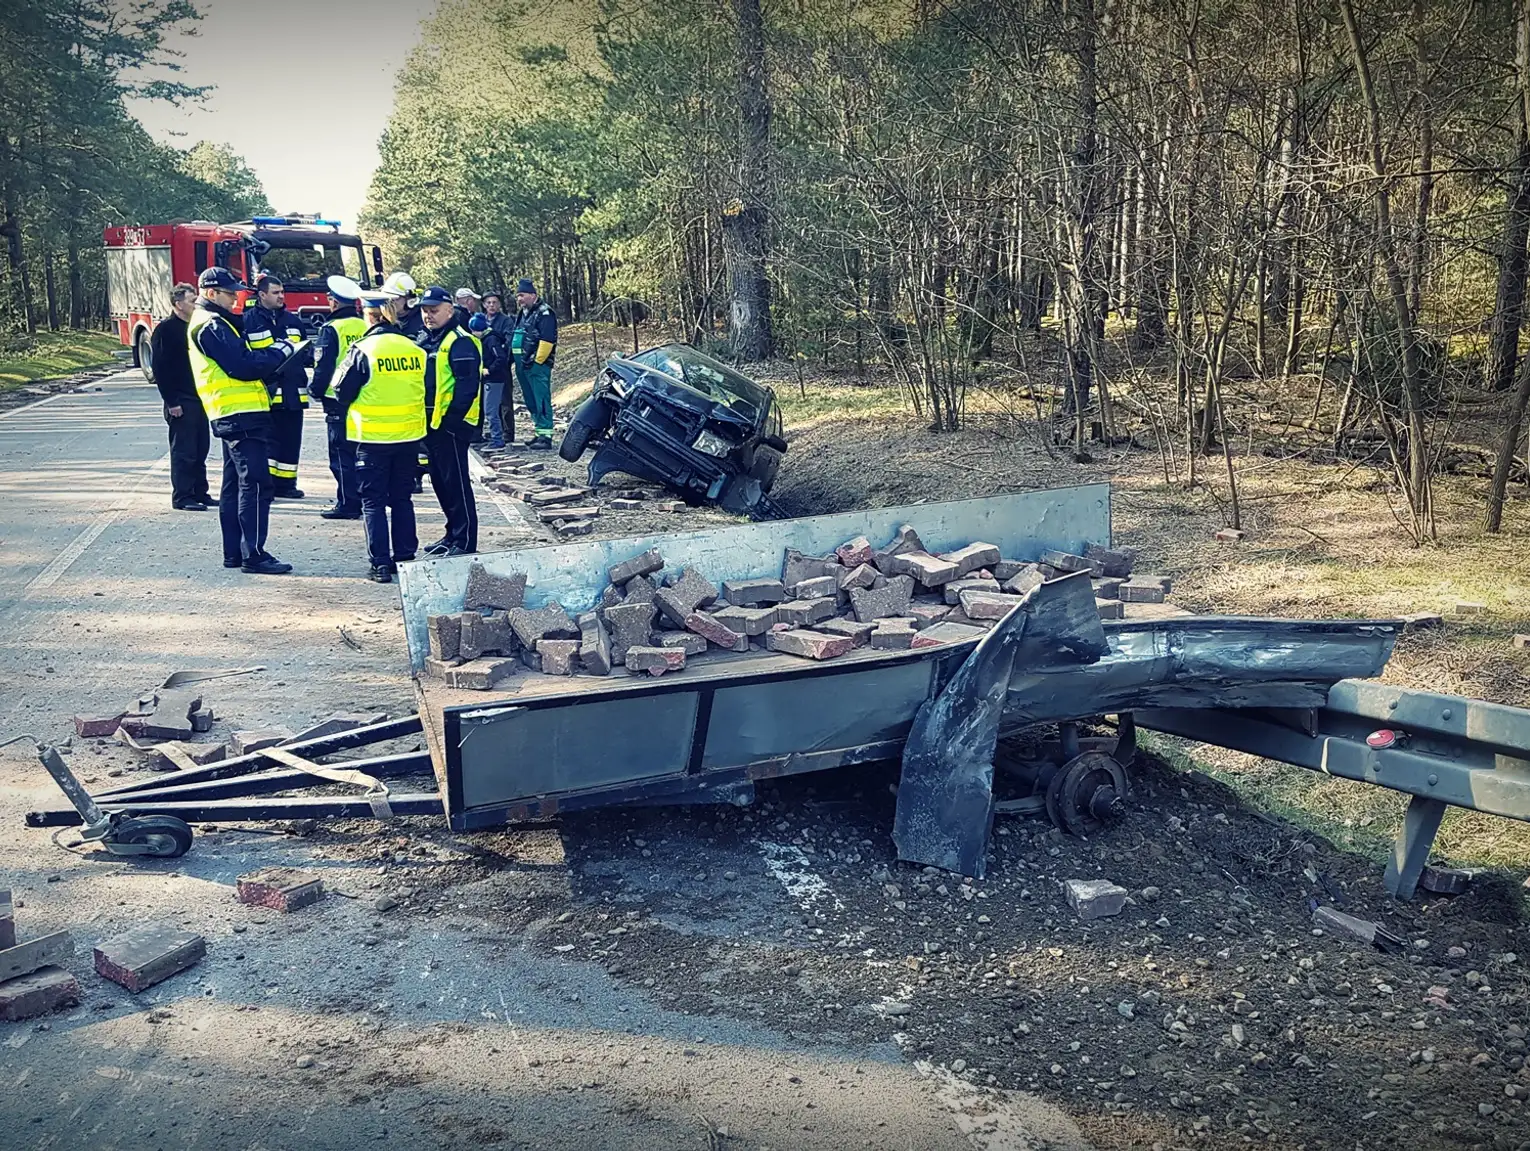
(385, 481)
(449, 479)
(342, 465)
(286, 446)
(190, 441)
(244, 503)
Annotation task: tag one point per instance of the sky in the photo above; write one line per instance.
(327, 69)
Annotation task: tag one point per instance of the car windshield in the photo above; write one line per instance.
(704, 374)
(310, 265)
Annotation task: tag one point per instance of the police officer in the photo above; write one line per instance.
(533, 350)
(381, 392)
(266, 322)
(229, 376)
(453, 374)
(343, 328)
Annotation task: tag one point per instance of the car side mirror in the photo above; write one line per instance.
(377, 260)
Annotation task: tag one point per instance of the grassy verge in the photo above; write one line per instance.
(52, 355)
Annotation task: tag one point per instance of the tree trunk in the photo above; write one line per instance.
(1513, 258)
(50, 290)
(21, 280)
(1082, 197)
(77, 303)
(746, 221)
(1419, 241)
(1415, 473)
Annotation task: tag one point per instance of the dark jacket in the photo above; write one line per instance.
(413, 323)
(222, 344)
(496, 347)
(466, 371)
(327, 360)
(536, 323)
(288, 383)
(172, 365)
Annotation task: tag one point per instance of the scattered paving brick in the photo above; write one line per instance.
(1111, 608)
(748, 620)
(816, 588)
(1094, 898)
(1107, 588)
(550, 496)
(927, 614)
(1133, 591)
(39, 993)
(891, 599)
(594, 644)
(655, 660)
(24, 958)
(1521, 643)
(973, 557)
(645, 564)
(687, 641)
(1007, 569)
(946, 632)
(202, 720)
(488, 592)
(575, 528)
(714, 632)
(486, 635)
(155, 727)
(480, 674)
(753, 592)
(1229, 536)
(549, 622)
(610, 597)
(279, 888)
(862, 576)
(1462, 607)
(931, 571)
(804, 612)
(439, 667)
(809, 644)
(631, 625)
(256, 739)
(671, 505)
(622, 504)
(565, 514)
(906, 539)
(95, 726)
(147, 955)
(893, 635)
(1115, 563)
(557, 655)
(952, 591)
(689, 591)
(640, 589)
(988, 605)
(798, 566)
(1068, 562)
(856, 552)
(858, 633)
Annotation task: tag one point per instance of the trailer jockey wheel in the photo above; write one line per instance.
(160, 835)
(1086, 792)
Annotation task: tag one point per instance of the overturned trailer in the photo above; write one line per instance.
(538, 745)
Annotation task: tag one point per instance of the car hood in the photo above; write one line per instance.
(710, 379)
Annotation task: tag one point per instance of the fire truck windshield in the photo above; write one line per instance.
(306, 268)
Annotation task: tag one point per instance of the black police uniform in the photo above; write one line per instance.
(288, 388)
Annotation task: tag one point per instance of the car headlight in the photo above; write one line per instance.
(613, 383)
(712, 444)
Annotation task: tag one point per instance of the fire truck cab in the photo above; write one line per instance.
(143, 262)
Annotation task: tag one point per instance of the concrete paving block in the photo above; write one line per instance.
(36, 994)
(279, 888)
(1094, 898)
(258, 739)
(146, 955)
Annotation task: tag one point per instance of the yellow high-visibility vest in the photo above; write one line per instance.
(391, 406)
(348, 329)
(220, 393)
(446, 381)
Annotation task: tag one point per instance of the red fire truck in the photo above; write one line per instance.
(143, 262)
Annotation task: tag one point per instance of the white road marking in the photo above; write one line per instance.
(791, 866)
(65, 559)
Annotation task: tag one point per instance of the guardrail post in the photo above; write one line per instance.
(1410, 851)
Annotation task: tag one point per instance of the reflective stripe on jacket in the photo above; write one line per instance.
(446, 379)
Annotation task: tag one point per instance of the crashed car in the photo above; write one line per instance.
(680, 418)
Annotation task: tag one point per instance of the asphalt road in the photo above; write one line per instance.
(343, 1025)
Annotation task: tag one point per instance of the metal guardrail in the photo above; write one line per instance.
(1443, 750)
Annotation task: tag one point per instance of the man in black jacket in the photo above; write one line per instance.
(267, 321)
(190, 438)
(453, 381)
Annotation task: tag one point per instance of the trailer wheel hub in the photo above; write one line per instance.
(1087, 792)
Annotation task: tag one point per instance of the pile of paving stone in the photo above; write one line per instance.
(893, 598)
(568, 509)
